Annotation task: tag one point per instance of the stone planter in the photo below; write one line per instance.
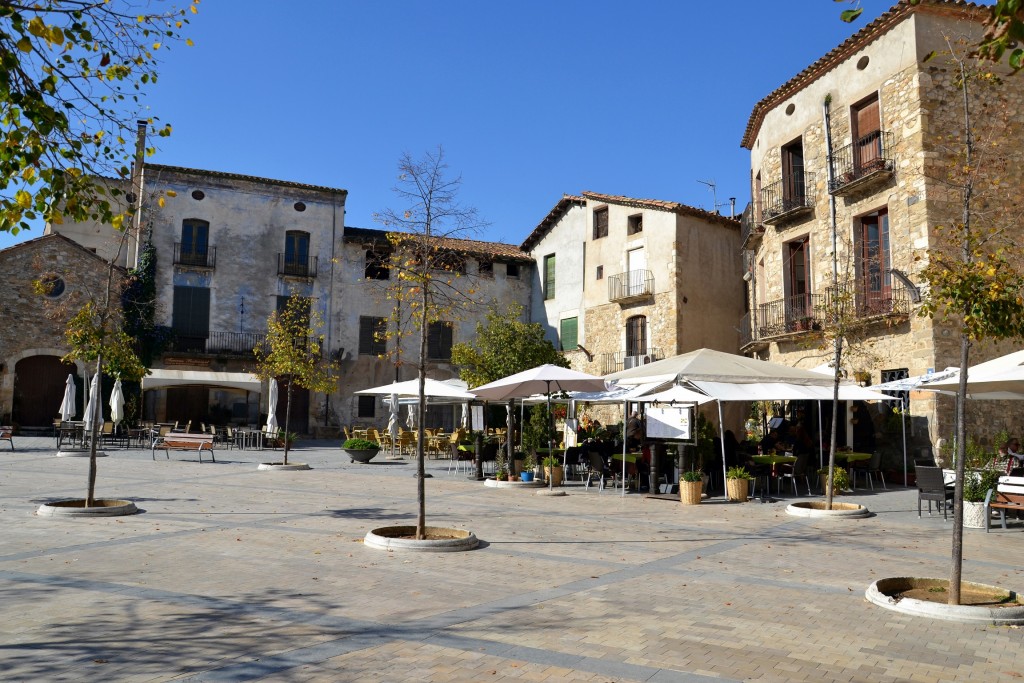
(554, 475)
(974, 515)
(689, 492)
(438, 540)
(889, 593)
(737, 489)
(363, 456)
(281, 466)
(76, 508)
(817, 509)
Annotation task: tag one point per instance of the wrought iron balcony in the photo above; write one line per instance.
(636, 284)
(751, 229)
(862, 164)
(867, 298)
(289, 264)
(788, 198)
(792, 314)
(197, 258)
(624, 360)
(215, 343)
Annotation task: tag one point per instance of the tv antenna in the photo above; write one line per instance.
(714, 197)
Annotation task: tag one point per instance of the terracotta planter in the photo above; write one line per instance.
(554, 475)
(738, 489)
(689, 492)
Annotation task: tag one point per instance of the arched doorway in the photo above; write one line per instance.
(39, 389)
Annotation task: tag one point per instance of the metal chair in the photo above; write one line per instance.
(868, 469)
(598, 468)
(793, 471)
(931, 487)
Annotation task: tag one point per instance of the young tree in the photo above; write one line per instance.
(974, 274)
(293, 351)
(71, 82)
(426, 268)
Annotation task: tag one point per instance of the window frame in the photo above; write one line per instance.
(370, 343)
(600, 225)
(440, 335)
(635, 224)
(637, 343)
(366, 406)
(564, 344)
(550, 273)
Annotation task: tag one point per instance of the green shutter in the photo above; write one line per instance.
(569, 334)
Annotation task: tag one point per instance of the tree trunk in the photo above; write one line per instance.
(421, 488)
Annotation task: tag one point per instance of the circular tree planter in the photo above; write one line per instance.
(993, 605)
(76, 508)
(496, 484)
(438, 540)
(818, 510)
(78, 453)
(363, 456)
(282, 466)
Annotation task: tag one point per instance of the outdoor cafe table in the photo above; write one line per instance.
(852, 457)
(773, 460)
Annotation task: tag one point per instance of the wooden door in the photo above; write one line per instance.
(867, 139)
(39, 390)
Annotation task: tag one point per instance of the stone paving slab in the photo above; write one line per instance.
(232, 574)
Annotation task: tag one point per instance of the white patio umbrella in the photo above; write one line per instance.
(272, 425)
(92, 409)
(116, 403)
(433, 389)
(67, 406)
(410, 417)
(393, 422)
(541, 379)
(465, 415)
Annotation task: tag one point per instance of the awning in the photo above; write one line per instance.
(157, 379)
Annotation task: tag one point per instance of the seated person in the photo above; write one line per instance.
(1015, 464)
(772, 441)
(634, 432)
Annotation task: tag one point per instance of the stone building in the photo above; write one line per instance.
(623, 281)
(893, 123)
(34, 318)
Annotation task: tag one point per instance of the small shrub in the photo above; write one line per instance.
(360, 445)
(840, 478)
(691, 475)
(976, 485)
(551, 461)
(737, 473)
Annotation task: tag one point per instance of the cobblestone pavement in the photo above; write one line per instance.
(230, 573)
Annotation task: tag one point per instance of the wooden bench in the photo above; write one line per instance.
(180, 441)
(1008, 495)
(6, 435)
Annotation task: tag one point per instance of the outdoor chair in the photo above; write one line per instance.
(868, 469)
(598, 468)
(794, 471)
(931, 487)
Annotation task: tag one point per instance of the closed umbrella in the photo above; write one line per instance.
(410, 418)
(116, 403)
(92, 409)
(272, 426)
(67, 407)
(465, 415)
(393, 422)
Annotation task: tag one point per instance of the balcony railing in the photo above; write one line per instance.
(195, 257)
(861, 162)
(215, 343)
(799, 313)
(623, 360)
(750, 228)
(788, 198)
(289, 264)
(867, 298)
(636, 284)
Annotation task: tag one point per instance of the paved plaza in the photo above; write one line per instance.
(233, 574)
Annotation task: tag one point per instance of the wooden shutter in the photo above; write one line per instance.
(439, 341)
(366, 330)
(549, 277)
(569, 334)
(191, 313)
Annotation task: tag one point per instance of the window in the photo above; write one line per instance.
(600, 273)
(190, 318)
(53, 286)
(636, 335)
(282, 303)
(568, 333)
(798, 300)
(635, 224)
(512, 270)
(195, 236)
(296, 252)
(377, 265)
(372, 339)
(485, 268)
(875, 286)
(439, 340)
(793, 189)
(600, 223)
(865, 124)
(549, 277)
(367, 406)
(451, 262)
(892, 376)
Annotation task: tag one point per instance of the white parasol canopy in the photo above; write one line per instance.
(708, 365)
(272, 426)
(67, 406)
(542, 379)
(116, 403)
(432, 389)
(92, 410)
(998, 379)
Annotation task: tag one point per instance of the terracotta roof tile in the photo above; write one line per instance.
(238, 176)
(472, 247)
(848, 47)
(660, 204)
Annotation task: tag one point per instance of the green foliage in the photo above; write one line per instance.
(94, 335)
(138, 301)
(504, 345)
(737, 473)
(704, 433)
(360, 445)
(551, 461)
(840, 478)
(977, 484)
(529, 460)
(71, 85)
(537, 432)
(691, 476)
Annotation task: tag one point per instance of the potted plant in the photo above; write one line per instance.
(976, 487)
(690, 486)
(360, 450)
(553, 470)
(737, 483)
(526, 474)
(840, 480)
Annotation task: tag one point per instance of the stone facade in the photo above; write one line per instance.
(33, 323)
(920, 123)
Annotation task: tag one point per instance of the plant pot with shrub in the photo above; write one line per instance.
(976, 487)
(553, 470)
(840, 480)
(360, 450)
(737, 483)
(690, 485)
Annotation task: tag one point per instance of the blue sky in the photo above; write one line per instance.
(530, 99)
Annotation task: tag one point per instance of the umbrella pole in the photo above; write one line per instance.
(551, 441)
(721, 440)
(821, 452)
(903, 421)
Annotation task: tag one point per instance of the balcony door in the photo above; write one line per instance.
(296, 252)
(875, 287)
(194, 241)
(636, 271)
(793, 190)
(798, 303)
(867, 138)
